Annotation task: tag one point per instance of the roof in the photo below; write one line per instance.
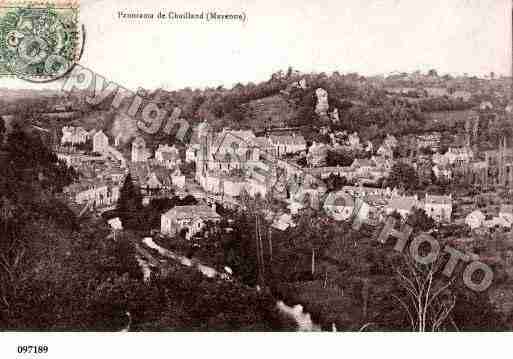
(318, 148)
(139, 171)
(506, 208)
(429, 136)
(362, 162)
(227, 137)
(74, 130)
(479, 164)
(375, 200)
(297, 140)
(476, 212)
(99, 133)
(163, 177)
(460, 150)
(262, 142)
(461, 93)
(494, 153)
(247, 135)
(319, 171)
(139, 141)
(436, 91)
(380, 161)
(167, 149)
(339, 199)
(402, 203)
(153, 181)
(283, 222)
(363, 190)
(170, 156)
(113, 171)
(84, 185)
(295, 204)
(438, 199)
(191, 212)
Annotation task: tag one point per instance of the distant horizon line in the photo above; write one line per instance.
(480, 76)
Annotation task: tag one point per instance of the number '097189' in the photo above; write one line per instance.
(32, 349)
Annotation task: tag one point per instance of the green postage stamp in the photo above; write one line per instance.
(39, 42)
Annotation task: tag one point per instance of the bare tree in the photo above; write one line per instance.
(427, 300)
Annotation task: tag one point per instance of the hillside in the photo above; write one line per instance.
(273, 111)
(286, 99)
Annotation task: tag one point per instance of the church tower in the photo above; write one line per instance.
(204, 154)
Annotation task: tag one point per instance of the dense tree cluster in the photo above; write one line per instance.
(130, 206)
(403, 175)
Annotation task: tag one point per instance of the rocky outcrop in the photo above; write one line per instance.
(322, 106)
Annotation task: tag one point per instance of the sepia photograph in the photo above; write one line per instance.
(177, 167)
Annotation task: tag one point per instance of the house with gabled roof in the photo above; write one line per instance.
(438, 208)
(362, 166)
(462, 95)
(139, 151)
(178, 178)
(436, 91)
(190, 218)
(429, 140)
(97, 193)
(164, 177)
(385, 151)
(506, 213)
(475, 219)
(382, 163)
(263, 144)
(339, 205)
(73, 135)
(167, 156)
(402, 205)
(361, 191)
(459, 155)
(317, 154)
(139, 172)
(486, 105)
(287, 144)
(283, 222)
(153, 183)
(353, 141)
(100, 142)
(230, 150)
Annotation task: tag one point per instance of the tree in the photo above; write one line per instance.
(129, 204)
(433, 73)
(335, 182)
(420, 221)
(188, 168)
(339, 158)
(403, 175)
(30, 158)
(426, 300)
(427, 151)
(2, 131)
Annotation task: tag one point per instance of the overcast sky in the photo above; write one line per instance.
(365, 36)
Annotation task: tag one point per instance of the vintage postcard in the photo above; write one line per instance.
(244, 166)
